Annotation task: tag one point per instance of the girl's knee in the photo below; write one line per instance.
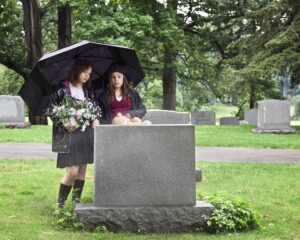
(119, 120)
(136, 120)
(72, 173)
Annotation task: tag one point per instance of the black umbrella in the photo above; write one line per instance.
(55, 67)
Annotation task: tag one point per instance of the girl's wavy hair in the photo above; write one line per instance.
(126, 87)
(80, 66)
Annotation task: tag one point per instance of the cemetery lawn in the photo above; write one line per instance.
(242, 136)
(29, 191)
(212, 136)
(35, 134)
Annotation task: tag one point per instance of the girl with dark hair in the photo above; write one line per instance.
(74, 146)
(120, 103)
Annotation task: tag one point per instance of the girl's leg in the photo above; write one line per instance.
(66, 185)
(79, 184)
(81, 172)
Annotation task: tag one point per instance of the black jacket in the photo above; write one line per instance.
(137, 106)
(60, 136)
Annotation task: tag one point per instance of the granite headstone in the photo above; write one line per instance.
(167, 117)
(251, 116)
(229, 121)
(11, 109)
(273, 116)
(144, 178)
(203, 118)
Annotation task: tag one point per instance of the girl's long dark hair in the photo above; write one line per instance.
(80, 66)
(126, 88)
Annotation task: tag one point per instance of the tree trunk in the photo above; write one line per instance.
(252, 95)
(169, 71)
(64, 26)
(33, 33)
(169, 81)
(33, 37)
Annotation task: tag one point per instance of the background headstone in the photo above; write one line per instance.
(11, 109)
(229, 121)
(167, 117)
(251, 116)
(273, 116)
(203, 118)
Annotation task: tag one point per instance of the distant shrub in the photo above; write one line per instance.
(230, 214)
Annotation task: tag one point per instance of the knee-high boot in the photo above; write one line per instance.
(77, 190)
(63, 194)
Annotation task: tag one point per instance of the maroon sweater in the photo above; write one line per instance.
(122, 106)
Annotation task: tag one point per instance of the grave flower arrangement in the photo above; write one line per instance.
(73, 114)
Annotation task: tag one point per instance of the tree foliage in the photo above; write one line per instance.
(232, 51)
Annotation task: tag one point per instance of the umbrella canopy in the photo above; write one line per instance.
(55, 67)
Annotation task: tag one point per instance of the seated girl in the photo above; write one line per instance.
(120, 103)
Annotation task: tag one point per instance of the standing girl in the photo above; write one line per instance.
(120, 103)
(74, 147)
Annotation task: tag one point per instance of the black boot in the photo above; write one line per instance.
(63, 194)
(77, 190)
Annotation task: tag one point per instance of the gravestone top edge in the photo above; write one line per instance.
(161, 110)
(152, 125)
(11, 96)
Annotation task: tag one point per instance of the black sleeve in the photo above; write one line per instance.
(55, 99)
(103, 104)
(138, 107)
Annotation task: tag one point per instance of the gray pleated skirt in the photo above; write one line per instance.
(81, 149)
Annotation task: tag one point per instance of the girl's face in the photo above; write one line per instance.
(85, 75)
(117, 79)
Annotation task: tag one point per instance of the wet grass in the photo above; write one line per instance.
(225, 136)
(242, 136)
(29, 191)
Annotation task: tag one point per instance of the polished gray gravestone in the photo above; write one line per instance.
(203, 118)
(251, 116)
(144, 179)
(167, 117)
(273, 116)
(229, 121)
(11, 109)
(155, 163)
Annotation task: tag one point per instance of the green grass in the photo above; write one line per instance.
(35, 134)
(242, 136)
(226, 136)
(29, 191)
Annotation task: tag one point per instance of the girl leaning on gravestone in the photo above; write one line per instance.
(120, 103)
(74, 114)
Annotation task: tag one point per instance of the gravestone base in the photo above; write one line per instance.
(278, 131)
(145, 219)
(17, 125)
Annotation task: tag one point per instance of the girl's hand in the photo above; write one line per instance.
(71, 128)
(95, 123)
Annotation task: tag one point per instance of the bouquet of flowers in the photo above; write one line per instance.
(73, 114)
